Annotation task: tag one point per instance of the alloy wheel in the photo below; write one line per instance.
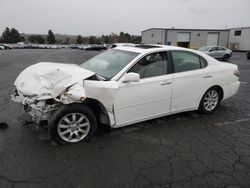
(73, 127)
(211, 100)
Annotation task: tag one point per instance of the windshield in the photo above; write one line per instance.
(205, 48)
(109, 63)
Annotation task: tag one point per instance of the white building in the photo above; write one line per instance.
(189, 38)
(239, 38)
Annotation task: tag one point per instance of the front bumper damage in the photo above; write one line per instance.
(39, 111)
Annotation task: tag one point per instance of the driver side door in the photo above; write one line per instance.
(150, 97)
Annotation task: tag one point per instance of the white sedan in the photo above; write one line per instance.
(122, 86)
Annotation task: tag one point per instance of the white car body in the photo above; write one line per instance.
(124, 102)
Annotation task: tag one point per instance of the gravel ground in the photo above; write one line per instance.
(183, 150)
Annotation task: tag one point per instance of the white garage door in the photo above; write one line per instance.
(212, 39)
(183, 37)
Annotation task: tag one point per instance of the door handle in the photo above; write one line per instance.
(207, 76)
(165, 83)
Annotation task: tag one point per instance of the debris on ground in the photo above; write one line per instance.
(3, 125)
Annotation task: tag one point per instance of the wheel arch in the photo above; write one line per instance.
(99, 111)
(219, 89)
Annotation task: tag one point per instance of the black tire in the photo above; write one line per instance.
(203, 107)
(75, 111)
(248, 55)
(225, 57)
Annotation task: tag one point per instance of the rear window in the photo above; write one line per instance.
(187, 61)
(204, 48)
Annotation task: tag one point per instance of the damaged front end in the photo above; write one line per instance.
(44, 87)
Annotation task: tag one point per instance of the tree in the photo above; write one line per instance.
(92, 39)
(66, 41)
(121, 38)
(50, 37)
(98, 40)
(124, 37)
(22, 39)
(5, 35)
(79, 39)
(15, 36)
(113, 38)
(85, 40)
(11, 36)
(36, 39)
(136, 39)
(105, 39)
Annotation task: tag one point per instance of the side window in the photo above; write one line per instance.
(186, 61)
(203, 62)
(221, 49)
(151, 65)
(213, 49)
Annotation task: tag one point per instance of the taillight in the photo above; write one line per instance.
(237, 73)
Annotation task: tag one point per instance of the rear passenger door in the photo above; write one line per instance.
(191, 77)
(220, 52)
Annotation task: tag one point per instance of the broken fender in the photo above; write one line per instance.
(75, 93)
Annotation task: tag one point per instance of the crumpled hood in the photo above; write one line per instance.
(48, 80)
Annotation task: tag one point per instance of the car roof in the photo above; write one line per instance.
(149, 48)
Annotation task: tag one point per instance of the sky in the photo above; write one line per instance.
(97, 17)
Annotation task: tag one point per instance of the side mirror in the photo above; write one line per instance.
(131, 77)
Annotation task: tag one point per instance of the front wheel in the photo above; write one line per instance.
(225, 57)
(248, 55)
(72, 123)
(210, 101)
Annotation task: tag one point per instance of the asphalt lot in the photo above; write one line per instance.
(183, 150)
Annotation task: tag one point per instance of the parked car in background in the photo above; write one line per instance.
(248, 54)
(74, 46)
(93, 47)
(122, 86)
(217, 52)
(122, 44)
(20, 45)
(7, 46)
(2, 47)
(96, 47)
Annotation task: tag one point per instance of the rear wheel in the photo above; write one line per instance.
(210, 101)
(72, 123)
